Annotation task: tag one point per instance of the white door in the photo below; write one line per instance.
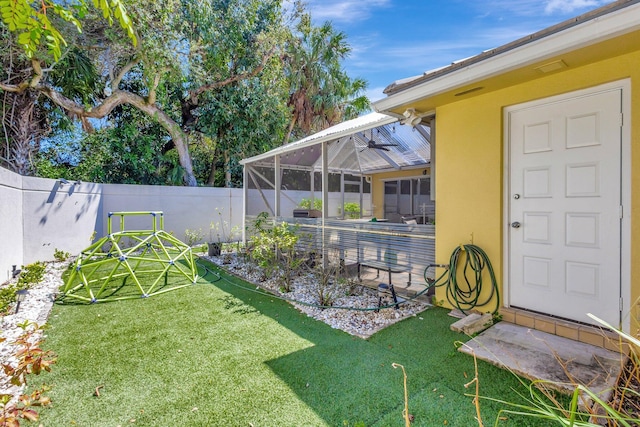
(565, 207)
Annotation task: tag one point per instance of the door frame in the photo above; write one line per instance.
(625, 163)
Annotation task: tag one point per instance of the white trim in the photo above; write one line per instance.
(625, 274)
(625, 260)
(620, 22)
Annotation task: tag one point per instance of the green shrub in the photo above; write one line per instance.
(194, 236)
(7, 297)
(60, 255)
(306, 204)
(274, 249)
(31, 275)
(352, 210)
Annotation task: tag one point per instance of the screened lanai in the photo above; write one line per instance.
(360, 191)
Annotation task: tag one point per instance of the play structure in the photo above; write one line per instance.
(129, 264)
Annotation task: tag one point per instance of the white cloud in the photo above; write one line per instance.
(569, 6)
(344, 10)
(532, 8)
(376, 93)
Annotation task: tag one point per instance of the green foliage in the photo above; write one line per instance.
(212, 82)
(306, 204)
(129, 153)
(274, 250)
(7, 297)
(32, 274)
(60, 255)
(322, 94)
(77, 76)
(193, 237)
(33, 27)
(352, 210)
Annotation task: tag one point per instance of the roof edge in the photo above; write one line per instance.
(396, 90)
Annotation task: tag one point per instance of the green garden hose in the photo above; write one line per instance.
(466, 295)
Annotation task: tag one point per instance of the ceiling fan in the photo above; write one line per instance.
(377, 146)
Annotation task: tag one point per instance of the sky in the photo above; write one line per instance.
(396, 39)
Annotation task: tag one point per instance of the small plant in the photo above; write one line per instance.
(352, 210)
(60, 255)
(306, 204)
(31, 275)
(326, 289)
(193, 237)
(274, 250)
(350, 284)
(7, 297)
(221, 235)
(31, 359)
(221, 230)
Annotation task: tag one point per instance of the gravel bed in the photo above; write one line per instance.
(35, 308)
(361, 320)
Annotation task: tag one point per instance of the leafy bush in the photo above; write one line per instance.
(194, 236)
(274, 249)
(306, 204)
(30, 275)
(7, 297)
(352, 210)
(60, 255)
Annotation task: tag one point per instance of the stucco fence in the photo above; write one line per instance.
(38, 215)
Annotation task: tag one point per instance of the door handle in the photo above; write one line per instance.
(515, 224)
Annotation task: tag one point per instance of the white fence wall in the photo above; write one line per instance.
(11, 224)
(39, 215)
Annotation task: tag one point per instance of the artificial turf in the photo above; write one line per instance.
(218, 354)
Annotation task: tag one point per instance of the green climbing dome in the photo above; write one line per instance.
(131, 264)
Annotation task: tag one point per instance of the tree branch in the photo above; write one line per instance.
(151, 99)
(37, 73)
(116, 82)
(194, 94)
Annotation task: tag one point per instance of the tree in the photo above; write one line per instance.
(243, 119)
(208, 73)
(321, 93)
(27, 30)
(180, 45)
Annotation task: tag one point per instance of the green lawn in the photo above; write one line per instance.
(215, 354)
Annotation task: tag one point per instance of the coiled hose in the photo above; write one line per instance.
(466, 295)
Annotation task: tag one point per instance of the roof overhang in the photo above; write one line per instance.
(600, 26)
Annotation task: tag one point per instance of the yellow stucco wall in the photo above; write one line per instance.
(469, 148)
(377, 186)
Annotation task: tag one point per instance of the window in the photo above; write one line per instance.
(408, 197)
